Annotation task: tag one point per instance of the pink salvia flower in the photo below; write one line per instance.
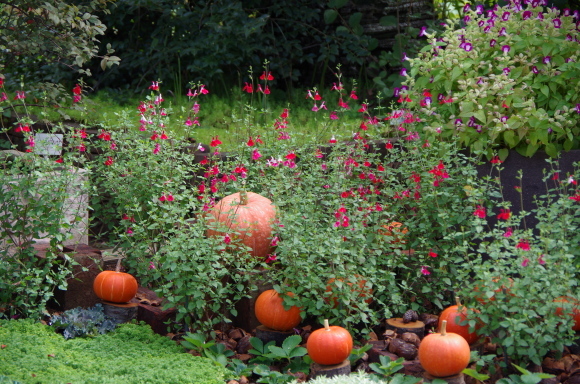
(227, 239)
(425, 271)
(525, 262)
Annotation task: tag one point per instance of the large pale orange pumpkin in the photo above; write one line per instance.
(444, 354)
(575, 311)
(115, 286)
(248, 214)
(269, 310)
(454, 316)
(360, 288)
(329, 345)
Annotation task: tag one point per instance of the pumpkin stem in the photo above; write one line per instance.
(457, 301)
(118, 267)
(443, 331)
(326, 325)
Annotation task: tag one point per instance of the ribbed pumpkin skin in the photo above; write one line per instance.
(329, 346)
(444, 355)
(252, 221)
(454, 316)
(116, 287)
(269, 310)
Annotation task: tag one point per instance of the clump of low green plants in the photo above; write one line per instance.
(130, 354)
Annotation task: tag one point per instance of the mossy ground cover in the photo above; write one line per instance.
(34, 353)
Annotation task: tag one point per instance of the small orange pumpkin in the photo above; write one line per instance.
(248, 214)
(329, 345)
(575, 311)
(361, 289)
(115, 286)
(396, 231)
(454, 317)
(444, 354)
(269, 310)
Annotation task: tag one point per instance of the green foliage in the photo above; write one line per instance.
(81, 322)
(526, 377)
(38, 37)
(357, 353)
(302, 38)
(39, 203)
(511, 287)
(489, 90)
(387, 367)
(131, 354)
(214, 351)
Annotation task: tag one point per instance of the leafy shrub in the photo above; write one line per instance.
(488, 86)
(81, 322)
(509, 282)
(36, 197)
(131, 354)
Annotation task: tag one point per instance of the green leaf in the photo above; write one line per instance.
(354, 19)
(480, 115)
(330, 16)
(291, 342)
(476, 375)
(337, 3)
(456, 73)
(388, 21)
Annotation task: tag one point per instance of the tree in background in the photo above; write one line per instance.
(39, 36)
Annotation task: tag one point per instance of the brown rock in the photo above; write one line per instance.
(411, 338)
(236, 333)
(412, 368)
(430, 321)
(379, 349)
(394, 345)
(553, 366)
(407, 350)
(244, 344)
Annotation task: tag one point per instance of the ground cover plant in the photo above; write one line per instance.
(33, 352)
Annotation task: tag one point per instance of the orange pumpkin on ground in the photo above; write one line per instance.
(115, 286)
(250, 216)
(396, 231)
(329, 345)
(575, 311)
(269, 310)
(444, 354)
(454, 316)
(362, 291)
